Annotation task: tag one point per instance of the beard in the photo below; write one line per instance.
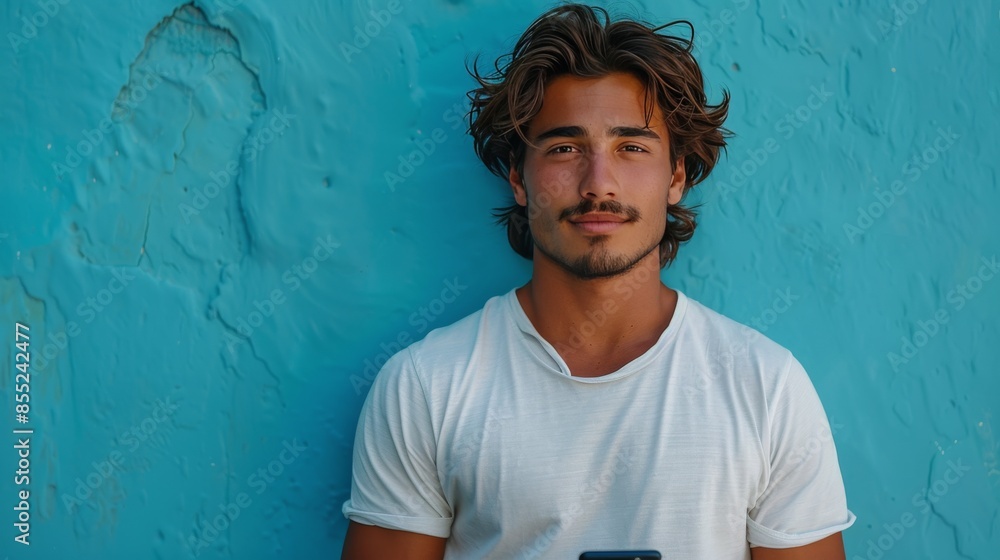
(600, 263)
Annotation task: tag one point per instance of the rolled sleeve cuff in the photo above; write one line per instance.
(758, 535)
(433, 526)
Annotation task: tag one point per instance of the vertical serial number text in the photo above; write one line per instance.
(22, 432)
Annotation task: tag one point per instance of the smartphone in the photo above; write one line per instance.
(620, 555)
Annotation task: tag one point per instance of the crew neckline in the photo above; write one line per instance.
(520, 318)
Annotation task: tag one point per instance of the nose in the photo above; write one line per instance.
(599, 179)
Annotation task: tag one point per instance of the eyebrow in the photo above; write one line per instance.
(579, 132)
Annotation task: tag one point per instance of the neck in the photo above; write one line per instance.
(598, 317)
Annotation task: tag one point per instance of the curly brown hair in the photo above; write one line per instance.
(572, 39)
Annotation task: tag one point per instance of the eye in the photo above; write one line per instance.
(561, 150)
(634, 148)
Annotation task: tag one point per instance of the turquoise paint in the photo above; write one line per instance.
(189, 345)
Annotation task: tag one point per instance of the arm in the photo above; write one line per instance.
(829, 548)
(803, 504)
(369, 542)
(397, 507)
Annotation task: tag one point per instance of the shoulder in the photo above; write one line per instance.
(779, 393)
(709, 324)
(452, 346)
(415, 368)
(757, 367)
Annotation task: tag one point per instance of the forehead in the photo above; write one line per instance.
(594, 103)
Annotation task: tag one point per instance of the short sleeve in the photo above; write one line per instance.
(804, 499)
(395, 483)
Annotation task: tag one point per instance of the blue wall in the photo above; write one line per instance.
(198, 229)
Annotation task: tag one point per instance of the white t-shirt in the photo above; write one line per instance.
(711, 441)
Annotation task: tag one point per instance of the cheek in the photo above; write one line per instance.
(558, 180)
(542, 206)
(550, 197)
(656, 212)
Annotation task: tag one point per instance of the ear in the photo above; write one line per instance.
(677, 181)
(517, 184)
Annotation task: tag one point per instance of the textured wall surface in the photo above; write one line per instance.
(210, 227)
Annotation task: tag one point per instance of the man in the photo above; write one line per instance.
(595, 408)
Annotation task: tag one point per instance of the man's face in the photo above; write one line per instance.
(596, 181)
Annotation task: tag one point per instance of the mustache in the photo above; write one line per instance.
(586, 206)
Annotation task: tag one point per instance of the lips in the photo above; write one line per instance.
(598, 217)
(598, 222)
